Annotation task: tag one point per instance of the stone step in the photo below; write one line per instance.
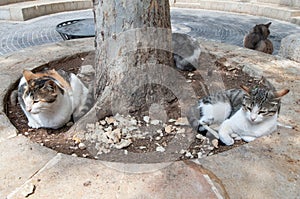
(275, 11)
(6, 2)
(32, 9)
(296, 20)
(293, 3)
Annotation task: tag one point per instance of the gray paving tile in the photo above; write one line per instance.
(71, 177)
(211, 25)
(20, 159)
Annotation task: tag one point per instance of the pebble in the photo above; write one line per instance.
(74, 155)
(168, 129)
(102, 122)
(122, 144)
(159, 131)
(180, 131)
(199, 154)
(160, 149)
(215, 143)
(233, 135)
(110, 120)
(191, 74)
(146, 119)
(188, 155)
(189, 81)
(171, 120)
(155, 122)
(26, 133)
(81, 146)
(200, 137)
(85, 155)
(182, 121)
(142, 147)
(157, 138)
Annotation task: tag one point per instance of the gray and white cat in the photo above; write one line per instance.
(49, 99)
(186, 51)
(258, 40)
(248, 112)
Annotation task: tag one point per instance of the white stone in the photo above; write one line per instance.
(110, 120)
(215, 143)
(157, 138)
(146, 119)
(168, 129)
(155, 122)
(81, 146)
(123, 144)
(182, 121)
(160, 149)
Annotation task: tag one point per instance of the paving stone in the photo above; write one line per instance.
(290, 47)
(6, 129)
(217, 26)
(73, 177)
(266, 168)
(20, 159)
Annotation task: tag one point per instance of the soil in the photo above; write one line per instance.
(55, 139)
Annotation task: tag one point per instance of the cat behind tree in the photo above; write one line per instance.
(49, 99)
(248, 112)
(258, 40)
(186, 51)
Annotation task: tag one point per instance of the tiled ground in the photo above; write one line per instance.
(218, 26)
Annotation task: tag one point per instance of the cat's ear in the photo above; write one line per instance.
(50, 86)
(281, 93)
(28, 75)
(268, 24)
(246, 89)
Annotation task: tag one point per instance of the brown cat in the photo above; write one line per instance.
(258, 40)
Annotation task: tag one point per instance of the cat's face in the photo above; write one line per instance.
(261, 103)
(41, 93)
(263, 30)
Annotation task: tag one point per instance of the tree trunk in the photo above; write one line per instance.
(133, 46)
(133, 50)
(134, 61)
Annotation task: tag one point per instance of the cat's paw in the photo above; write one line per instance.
(248, 138)
(34, 125)
(227, 140)
(206, 120)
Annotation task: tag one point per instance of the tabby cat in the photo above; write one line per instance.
(186, 51)
(258, 40)
(49, 99)
(248, 112)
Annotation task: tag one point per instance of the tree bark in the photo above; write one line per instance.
(133, 38)
(134, 61)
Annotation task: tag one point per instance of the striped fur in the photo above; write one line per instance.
(247, 112)
(50, 98)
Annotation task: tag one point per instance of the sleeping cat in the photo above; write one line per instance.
(50, 98)
(249, 113)
(186, 51)
(258, 40)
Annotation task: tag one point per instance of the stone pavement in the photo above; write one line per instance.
(266, 168)
(217, 26)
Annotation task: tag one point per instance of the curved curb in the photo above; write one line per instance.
(268, 158)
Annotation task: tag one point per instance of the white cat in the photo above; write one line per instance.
(248, 113)
(49, 99)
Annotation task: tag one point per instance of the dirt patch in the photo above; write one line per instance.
(231, 77)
